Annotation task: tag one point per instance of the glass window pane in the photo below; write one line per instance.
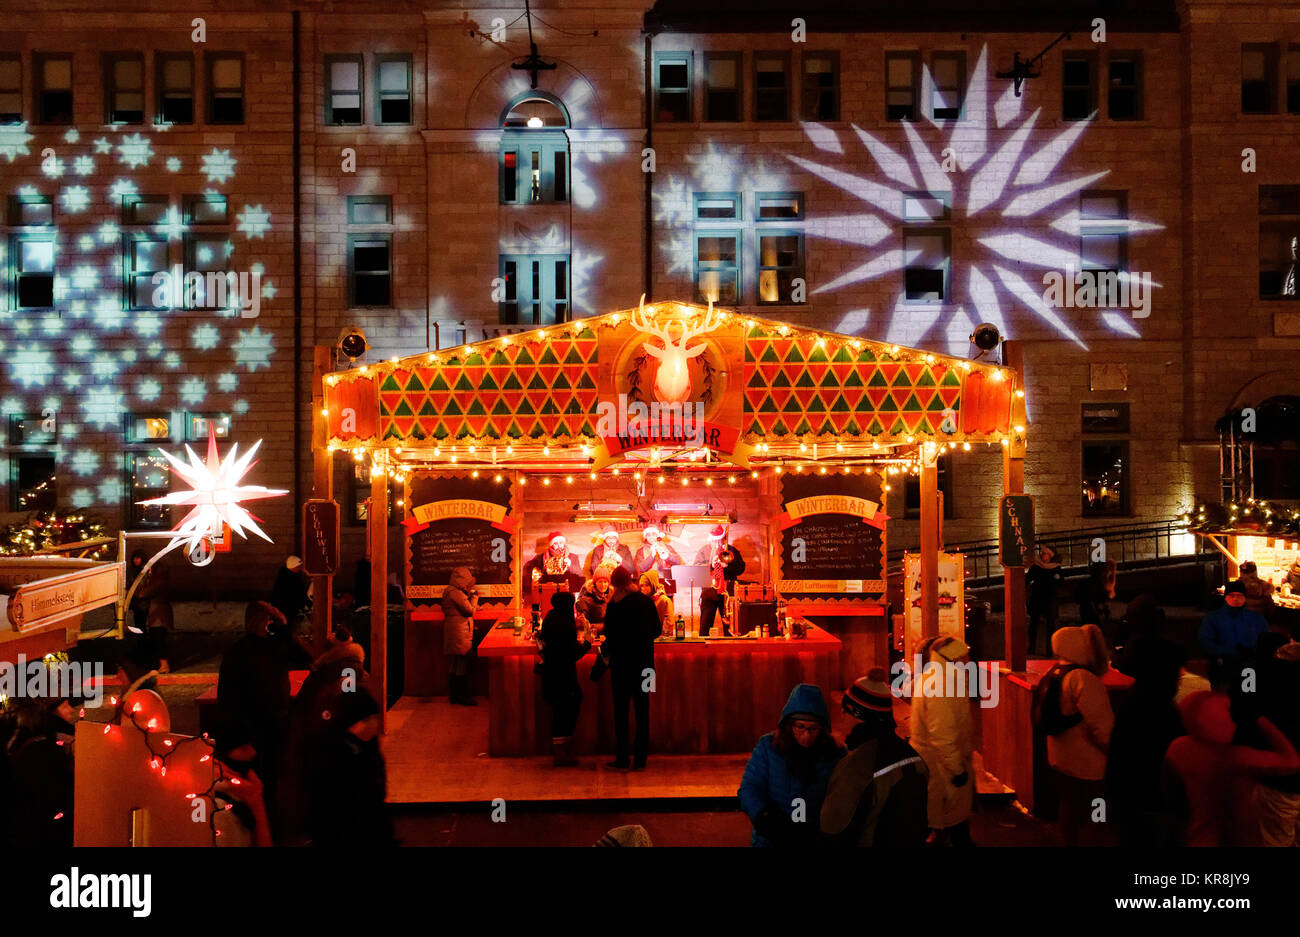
(128, 73)
(149, 256)
(178, 74)
(371, 212)
(227, 73)
(370, 257)
(394, 76)
(717, 250)
(11, 73)
(345, 76)
(57, 74)
(37, 257)
(722, 74)
(899, 72)
(672, 76)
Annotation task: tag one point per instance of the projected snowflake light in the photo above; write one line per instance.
(214, 495)
(1006, 178)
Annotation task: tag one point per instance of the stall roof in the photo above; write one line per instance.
(777, 383)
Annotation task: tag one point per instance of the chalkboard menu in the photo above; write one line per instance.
(832, 537)
(456, 520)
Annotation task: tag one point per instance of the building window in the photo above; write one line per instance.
(912, 489)
(1279, 241)
(392, 89)
(149, 476)
(1124, 91)
(370, 269)
(778, 206)
(206, 209)
(146, 257)
(30, 211)
(722, 86)
(771, 86)
(926, 264)
(780, 263)
(821, 86)
(1293, 79)
(225, 88)
(1103, 231)
(948, 90)
(343, 89)
(149, 427)
(174, 73)
(11, 89)
(218, 288)
(717, 206)
(145, 210)
(717, 267)
(32, 483)
(355, 509)
(124, 86)
(33, 271)
(927, 206)
(672, 87)
(1105, 478)
(370, 209)
(53, 89)
(902, 71)
(534, 166)
(1078, 86)
(536, 289)
(198, 424)
(1258, 79)
(29, 429)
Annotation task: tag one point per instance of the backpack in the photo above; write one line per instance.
(1046, 711)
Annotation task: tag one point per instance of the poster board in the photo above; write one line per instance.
(453, 519)
(952, 599)
(832, 542)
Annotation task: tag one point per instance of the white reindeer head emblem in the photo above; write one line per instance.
(673, 378)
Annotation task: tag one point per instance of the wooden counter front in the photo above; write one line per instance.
(712, 695)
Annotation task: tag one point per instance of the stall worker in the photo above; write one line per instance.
(655, 553)
(609, 552)
(556, 563)
(594, 596)
(725, 566)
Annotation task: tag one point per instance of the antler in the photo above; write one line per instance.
(711, 322)
(646, 323)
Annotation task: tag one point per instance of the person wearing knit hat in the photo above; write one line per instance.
(791, 765)
(649, 584)
(632, 835)
(1229, 633)
(877, 795)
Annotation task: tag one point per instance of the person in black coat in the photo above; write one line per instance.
(289, 591)
(253, 689)
(631, 626)
(1148, 720)
(1042, 580)
(561, 650)
(347, 802)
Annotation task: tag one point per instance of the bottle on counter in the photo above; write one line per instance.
(679, 629)
(535, 625)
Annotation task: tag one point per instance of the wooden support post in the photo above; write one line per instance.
(1234, 565)
(1013, 483)
(322, 486)
(929, 540)
(377, 530)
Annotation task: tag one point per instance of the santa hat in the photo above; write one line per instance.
(550, 538)
(652, 529)
(717, 533)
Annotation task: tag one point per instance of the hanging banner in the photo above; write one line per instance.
(724, 440)
(869, 511)
(952, 599)
(320, 537)
(1016, 530)
(425, 514)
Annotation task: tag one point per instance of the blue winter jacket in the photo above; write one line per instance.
(1228, 631)
(768, 782)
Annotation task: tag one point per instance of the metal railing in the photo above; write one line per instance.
(1124, 543)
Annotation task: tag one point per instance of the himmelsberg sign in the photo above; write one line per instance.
(48, 600)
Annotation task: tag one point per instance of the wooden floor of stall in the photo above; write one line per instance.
(437, 754)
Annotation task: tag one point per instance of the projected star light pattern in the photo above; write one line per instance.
(1007, 177)
(214, 494)
(77, 344)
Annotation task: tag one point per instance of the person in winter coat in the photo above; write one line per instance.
(459, 604)
(1143, 620)
(1276, 696)
(561, 651)
(289, 591)
(1042, 581)
(1078, 754)
(1259, 592)
(151, 611)
(347, 805)
(609, 553)
(1095, 593)
(595, 596)
(139, 700)
(943, 734)
(784, 784)
(631, 626)
(1228, 634)
(253, 690)
(41, 771)
(656, 553)
(649, 585)
(877, 794)
(241, 818)
(1212, 779)
(1147, 723)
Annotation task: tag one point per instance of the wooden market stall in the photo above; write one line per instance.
(790, 440)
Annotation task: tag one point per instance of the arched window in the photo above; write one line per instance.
(1277, 449)
(534, 155)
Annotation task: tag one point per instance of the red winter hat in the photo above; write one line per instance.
(552, 535)
(717, 533)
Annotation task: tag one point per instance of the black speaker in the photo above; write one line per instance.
(752, 614)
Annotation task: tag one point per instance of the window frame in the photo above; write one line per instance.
(738, 61)
(14, 216)
(111, 90)
(16, 242)
(1090, 59)
(39, 61)
(547, 144)
(161, 88)
(1139, 85)
(1095, 228)
(194, 435)
(669, 57)
(833, 57)
(737, 235)
(330, 60)
(355, 239)
(1125, 508)
(733, 196)
(353, 201)
(17, 91)
(210, 60)
(16, 459)
(131, 276)
(799, 268)
(913, 57)
(189, 201)
(957, 56)
(1269, 81)
(798, 197)
(134, 513)
(1292, 53)
(945, 233)
(787, 87)
(912, 489)
(539, 298)
(377, 117)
